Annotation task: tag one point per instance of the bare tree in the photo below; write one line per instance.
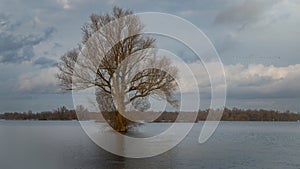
(121, 62)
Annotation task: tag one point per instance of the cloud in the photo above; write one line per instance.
(259, 81)
(43, 81)
(65, 4)
(44, 62)
(6, 24)
(247, 82)
(227, 42)
(245, 13)
(187, 13)
(278, 41)
(16, 47)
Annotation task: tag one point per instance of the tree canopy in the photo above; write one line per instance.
(122, 62)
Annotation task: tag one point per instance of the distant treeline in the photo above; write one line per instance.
(61, 113)
(234, 114)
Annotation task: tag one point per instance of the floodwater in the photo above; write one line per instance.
(64, 145)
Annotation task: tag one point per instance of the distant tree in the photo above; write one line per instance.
(111, 58)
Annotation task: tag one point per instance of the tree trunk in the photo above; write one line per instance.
(120, 123)
(110, 112)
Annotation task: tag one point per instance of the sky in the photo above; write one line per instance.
(257, 41)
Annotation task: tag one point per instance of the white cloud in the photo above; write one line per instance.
(65, 3)
(42, 81)
(257, 81)
(252, 81)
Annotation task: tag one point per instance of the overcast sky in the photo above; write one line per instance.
(258, 43)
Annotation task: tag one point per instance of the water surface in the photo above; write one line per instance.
(64, 145)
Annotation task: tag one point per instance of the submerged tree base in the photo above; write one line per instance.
(120, 128)
(118, 122)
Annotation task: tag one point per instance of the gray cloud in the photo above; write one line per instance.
(6, 24)
(44, 62)
(57, 45)
(272, 32)
(227, 42)
(245, 13)
(16, 47)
